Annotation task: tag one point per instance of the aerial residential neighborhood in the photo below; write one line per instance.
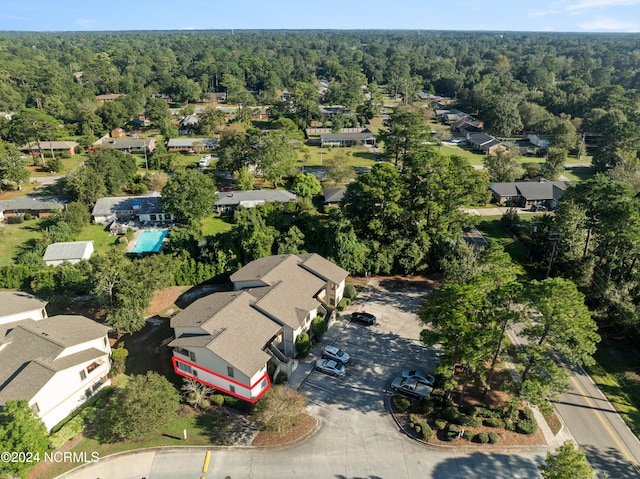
(318, 253)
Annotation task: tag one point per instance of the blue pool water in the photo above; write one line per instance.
(149, 241)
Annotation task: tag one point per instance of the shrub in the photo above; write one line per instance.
(402, 404)
(281, 378)
(527, 413)
(123, 240)
(482, 411)
(428, 406)
(71, 429)
(303, 344)
(425, 431)
(14, 220)
(525, 426)
(89, 413)
(238, 404)
(508, 425)
(453, 432)
(469, 421)
(343, 304)
(482, 438)
(440, 424)
(204, 404)
(217, 399)
(319, 327)
(350, 292)
(28, 216)
(493, 438)
(451, 414)
(493, 422)
(468, 434)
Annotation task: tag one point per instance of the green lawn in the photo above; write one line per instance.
(212, 225)
(493, 230)
(357, 157)
(202, 430)
(616, 375)
(12, 237)
(102, 239)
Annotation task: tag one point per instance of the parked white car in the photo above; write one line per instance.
(337, 354)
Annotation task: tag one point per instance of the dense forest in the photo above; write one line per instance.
(582, 90)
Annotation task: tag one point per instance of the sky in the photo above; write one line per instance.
(488, 15)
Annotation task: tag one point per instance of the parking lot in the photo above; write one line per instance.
(378, 352)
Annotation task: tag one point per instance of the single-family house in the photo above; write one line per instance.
(331, 111)
(67, 252)
(129, 145)
(363, 138)
(228, 339)
(528, 193)
(17, 306)
(108, 97)
(190, 145)
(54, 363)
(34, 148)
(541, 141)
(130, 208)
(230, 200)
(333, 196)
(485, 143)
(467, 126)
(187, 124)
(36, 205)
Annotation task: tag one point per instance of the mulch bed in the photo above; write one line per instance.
(304, 425)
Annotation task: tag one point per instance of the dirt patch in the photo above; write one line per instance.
(163, 301)
(305, 424)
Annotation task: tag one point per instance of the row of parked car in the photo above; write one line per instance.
(333, 358)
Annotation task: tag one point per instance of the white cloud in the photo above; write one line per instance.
(582, 5)
(609, 24)
(586, 4)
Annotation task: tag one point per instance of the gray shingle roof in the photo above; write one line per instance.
(145, 204)
(18, 302)
(251, 197)
(232, 328)
(66, 251)
(347, 136)
(127, 144)
(333, 195)
(531, 190)
(188, 142)
(48, 145)
(30, 352)
(35, 202)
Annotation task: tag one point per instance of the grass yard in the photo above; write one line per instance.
(493, 230)
(358, 157)
(102, 239)
(617, 374)
(203, 429)
(212, 225)
(14, 236)
(449, 150)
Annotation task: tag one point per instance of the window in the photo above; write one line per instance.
(83, 375)
(229, 371)
(152, 217)
(332, 301)
(333, 286)
(182, 351)
(263, 384)
(106, 341)
(232, 388)
(35, 408)
(184, 367)
(192, 356)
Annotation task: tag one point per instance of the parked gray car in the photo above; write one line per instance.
(331, 367)
(411, 387)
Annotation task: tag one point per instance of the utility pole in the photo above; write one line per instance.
(555, 237)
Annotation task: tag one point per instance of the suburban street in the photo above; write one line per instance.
(357, 437)
(609, 444)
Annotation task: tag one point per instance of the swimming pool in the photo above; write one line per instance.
(149, 241)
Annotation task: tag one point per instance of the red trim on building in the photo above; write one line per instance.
(200, 380)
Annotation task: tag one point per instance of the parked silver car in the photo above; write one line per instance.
(329, 366)
(419, 376)
(411, 387)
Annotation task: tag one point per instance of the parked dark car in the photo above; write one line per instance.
(362, 317)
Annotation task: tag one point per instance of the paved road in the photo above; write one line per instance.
(357, 438)
(609, 444)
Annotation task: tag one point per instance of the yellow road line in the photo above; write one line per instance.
(207, 458)
(606, 426)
